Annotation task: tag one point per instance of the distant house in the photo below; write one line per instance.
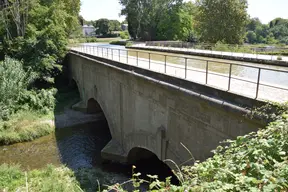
(88, 30)
(124, 27)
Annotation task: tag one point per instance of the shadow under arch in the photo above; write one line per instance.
(147, 162)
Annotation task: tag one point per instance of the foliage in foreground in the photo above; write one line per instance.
(254, 162)
(50, 179)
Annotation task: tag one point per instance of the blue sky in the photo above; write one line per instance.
(266, 10)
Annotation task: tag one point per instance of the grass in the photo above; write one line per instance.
(49, 179)
(26, 126)
(29, 125)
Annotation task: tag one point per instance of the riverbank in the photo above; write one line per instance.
(54, 179)
(29, 125)
(76, 41)
(26, 126)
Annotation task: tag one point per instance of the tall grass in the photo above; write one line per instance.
(25, 126)
(49, 179)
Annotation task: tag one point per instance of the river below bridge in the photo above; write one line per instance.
(273, 84)
(77, 147)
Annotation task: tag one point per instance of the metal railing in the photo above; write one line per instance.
(183, 67)
(241, 51)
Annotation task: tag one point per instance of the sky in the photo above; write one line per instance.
(265, 10)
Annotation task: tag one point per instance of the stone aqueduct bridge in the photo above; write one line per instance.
(157, 112)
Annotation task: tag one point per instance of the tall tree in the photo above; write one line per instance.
(102, 26)
(114, 25)
(36, 31)
(144, 16)
(221, 20)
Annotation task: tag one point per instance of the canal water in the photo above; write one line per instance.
(244, 75)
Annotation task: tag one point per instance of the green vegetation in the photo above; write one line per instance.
(275, 32)
(151, 20)
(33, 38)
(204, 21)
(227, 25)
(123, 43)
(14, 93)
(50, 179)
(124, 35)
(36, 32)
(26, 126)
(254, 162)
(79, 40)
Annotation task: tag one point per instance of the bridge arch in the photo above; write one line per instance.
(93, 106)
(147, 162)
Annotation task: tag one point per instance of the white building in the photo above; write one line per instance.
(88, 30)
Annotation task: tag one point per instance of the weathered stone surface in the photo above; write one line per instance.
(156, 115)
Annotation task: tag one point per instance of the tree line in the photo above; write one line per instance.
(276, 31)
(33, 42)
(103, 26)
(208, 21)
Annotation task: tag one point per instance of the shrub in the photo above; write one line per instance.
(14, 80)
(14, 93)
(123, 43)
(40, 100)
(124, 35)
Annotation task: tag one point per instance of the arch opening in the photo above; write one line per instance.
(93, 107)
(147, 162)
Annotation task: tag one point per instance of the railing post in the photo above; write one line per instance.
(229, 80)
(258, 82)
(207, 63)
(137, 57)
(149, 61)
(185, 68)
(97, 52)
(165, 63)
(112, 54)
(127, 56)
(119, 54)
(93, 50)
(102, 51)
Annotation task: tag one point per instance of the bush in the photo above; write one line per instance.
(14, 80)
(39, 100)
(124, 35)
(14, 93)
(123, 43)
